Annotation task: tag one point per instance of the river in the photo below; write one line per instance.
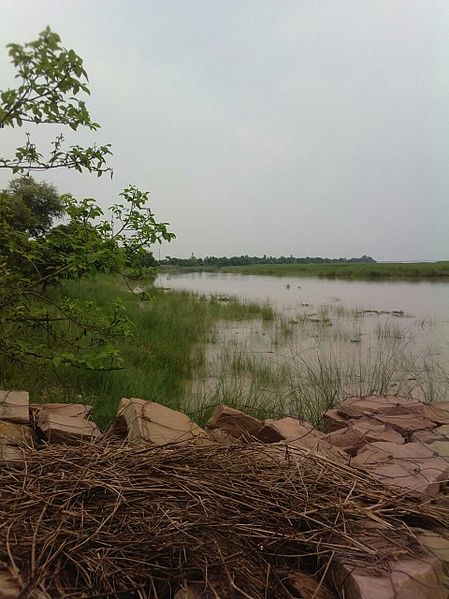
(373, 336)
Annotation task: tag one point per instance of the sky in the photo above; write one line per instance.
(306, 127)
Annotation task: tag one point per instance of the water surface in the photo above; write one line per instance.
(331, 337)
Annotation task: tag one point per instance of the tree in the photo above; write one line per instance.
(29, 206)
(50, 79)
(37, 321)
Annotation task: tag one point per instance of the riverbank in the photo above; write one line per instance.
(389, 271)
(418, 270)
(192, 350)
(170, 333)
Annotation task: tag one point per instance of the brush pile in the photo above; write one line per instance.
(238, 520)
(159, 508)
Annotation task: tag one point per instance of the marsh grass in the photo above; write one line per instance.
(389, 330)
(303, 381)
(168, 344)
(193, 352)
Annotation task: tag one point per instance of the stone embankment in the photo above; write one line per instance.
(390, 454)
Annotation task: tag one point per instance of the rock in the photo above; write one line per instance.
(9, 585)
(285, 429)
(306, 587)
(149, 422)
(437, 412)
(360, 432)
(356, 407)
(406, 578)
(412, 467)
(219, 436)
(405, 424)
(193, 591)
(442, 430)
(437, 545)
(12, 438)
(296, 433)
(441, 448)
(68, 430)
(333, 421)
(14, 406)
(234, 422)
(62, 409)
(427, 437)
(345, 439)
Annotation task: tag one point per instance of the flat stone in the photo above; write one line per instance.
(442, 430)
(9, 585)
(67, 430)
(426, 436)
(285, 429)
(356, 407)
(295, 433)
(307, 587)
(360, 432)
(62, 409)
(412, 467)
(406, 578)
(437, 545)
(13, 437)
(14, 406)
(405, 424)
(436, 412)
(234, 422)
(319, 446)
(149, 422)
(333, 421)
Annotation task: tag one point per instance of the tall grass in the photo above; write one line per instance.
(191, 352)
(304, 381)
(171, 331)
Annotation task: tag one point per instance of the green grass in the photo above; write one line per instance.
(418, 270)
(185, 356)
(171, 331)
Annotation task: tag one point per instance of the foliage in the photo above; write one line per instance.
(248, 260)
(30, 318)
(30, 207)
(50, 79)
(166, 346)
(37, 320)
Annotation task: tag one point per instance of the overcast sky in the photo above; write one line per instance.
(311, 127)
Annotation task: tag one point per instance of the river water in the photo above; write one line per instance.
(393, 336)
(419, 299)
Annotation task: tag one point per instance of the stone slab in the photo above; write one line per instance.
(62, 409)
(143, 421)
(412, 467)
(234, 422)
(357, 407)
(406, 578)
(67, 430)
(14, 406)
(13, 437)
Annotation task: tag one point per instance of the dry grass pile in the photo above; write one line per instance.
(115, 521)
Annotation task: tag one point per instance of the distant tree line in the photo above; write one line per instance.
(245, 260)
